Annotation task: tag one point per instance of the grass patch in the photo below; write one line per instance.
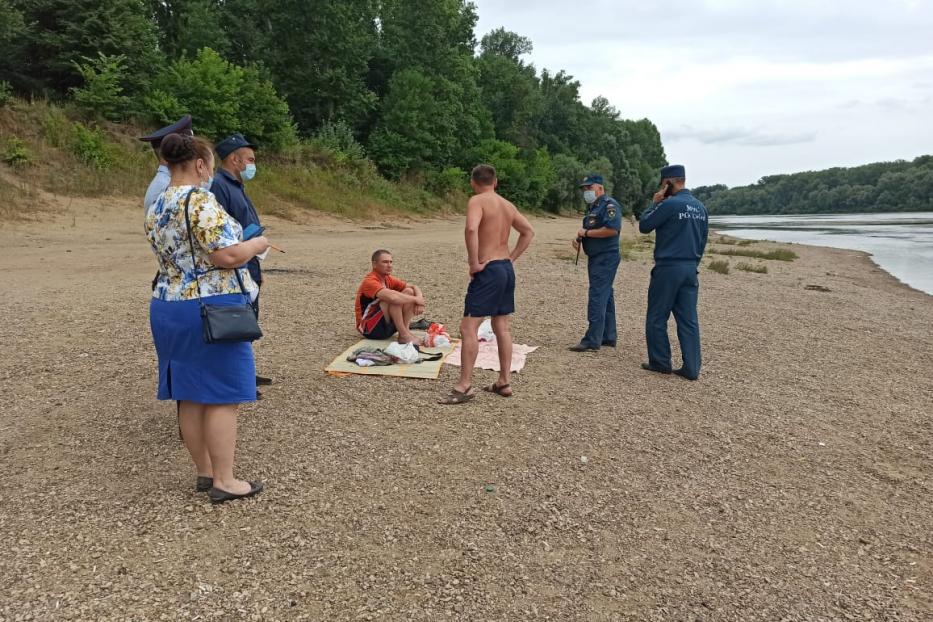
(780, 254)
(632, 249)
(751, 267)
(15, 195)
(71, 158)
(734, 241)
(719, 265)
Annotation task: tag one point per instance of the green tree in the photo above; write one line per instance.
(318, 55)
(11, 28)
(509, 88)
(432, 36)
(564, 193)
(58, 31)
(425, 125)
(223, 98)
(524, 176)
(186, 26)
(102, 92)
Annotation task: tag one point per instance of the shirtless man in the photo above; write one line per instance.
(489, 221)
(385, 304)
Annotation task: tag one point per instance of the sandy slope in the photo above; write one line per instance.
(792, 482)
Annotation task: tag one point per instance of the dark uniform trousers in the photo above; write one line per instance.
(674, 288)
(601, 308)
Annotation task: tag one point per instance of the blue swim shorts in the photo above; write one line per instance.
(492, 291)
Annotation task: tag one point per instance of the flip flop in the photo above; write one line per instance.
(498, 389)
(457, 397)
(421, 324)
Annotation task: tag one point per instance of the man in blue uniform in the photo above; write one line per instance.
(681, 225)
(600, 239)
(162, 177)
(238, 165)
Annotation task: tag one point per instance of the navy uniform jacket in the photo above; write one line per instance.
(230, 194)
(604, 212)
(682, 228)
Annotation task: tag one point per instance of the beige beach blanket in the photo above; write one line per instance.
(428, 370)
(488, 357)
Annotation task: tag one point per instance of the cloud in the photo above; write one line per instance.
(746, 89)
(739, 136)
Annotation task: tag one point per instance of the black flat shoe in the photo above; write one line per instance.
(583, 348)
(262, 380)
(421, 324)
(203, 483)
(609, 344)
(222, 496)
(680, 372)
(648, 367)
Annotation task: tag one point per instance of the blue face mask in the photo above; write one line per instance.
(249, 172)
(589, 196)
(206, 185)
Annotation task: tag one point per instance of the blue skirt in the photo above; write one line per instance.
(195, 371)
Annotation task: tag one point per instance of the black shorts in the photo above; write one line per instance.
(375, 324)
(492, 291)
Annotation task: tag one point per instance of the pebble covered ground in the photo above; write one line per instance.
(792, 482)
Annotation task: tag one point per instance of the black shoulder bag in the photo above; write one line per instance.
(228, 323)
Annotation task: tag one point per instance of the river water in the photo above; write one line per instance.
(901, 243)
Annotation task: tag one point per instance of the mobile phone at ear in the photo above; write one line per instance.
(251, 231)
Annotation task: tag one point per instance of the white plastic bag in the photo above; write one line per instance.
(405, 353)
(485, 331)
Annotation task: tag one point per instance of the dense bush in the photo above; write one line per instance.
(90, 146)
(16, 153)
(102, 92)
(337, 137)
(447, 181)
(223, 98)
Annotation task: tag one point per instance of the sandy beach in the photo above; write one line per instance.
(792, 482)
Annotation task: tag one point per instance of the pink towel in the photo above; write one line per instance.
(488, 357)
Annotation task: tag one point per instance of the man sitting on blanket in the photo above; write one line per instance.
(385, 304)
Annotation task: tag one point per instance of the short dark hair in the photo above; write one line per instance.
(379, 253)
(483, 175)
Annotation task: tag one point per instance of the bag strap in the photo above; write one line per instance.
(194, 260)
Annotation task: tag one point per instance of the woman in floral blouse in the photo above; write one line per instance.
(207, 380)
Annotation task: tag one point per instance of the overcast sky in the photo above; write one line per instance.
(745, 88)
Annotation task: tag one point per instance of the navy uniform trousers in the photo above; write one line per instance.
(674, 288)
(601, 307)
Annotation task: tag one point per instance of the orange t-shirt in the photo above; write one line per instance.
(372, 284)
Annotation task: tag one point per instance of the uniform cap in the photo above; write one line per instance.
(231, 143)
(591, 179)
(674, 170)
(182, 126)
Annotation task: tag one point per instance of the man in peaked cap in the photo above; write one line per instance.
(599, 237)
(238, 165)
(680, 223)
(162, 177)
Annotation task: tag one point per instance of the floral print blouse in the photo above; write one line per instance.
(212, 229)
